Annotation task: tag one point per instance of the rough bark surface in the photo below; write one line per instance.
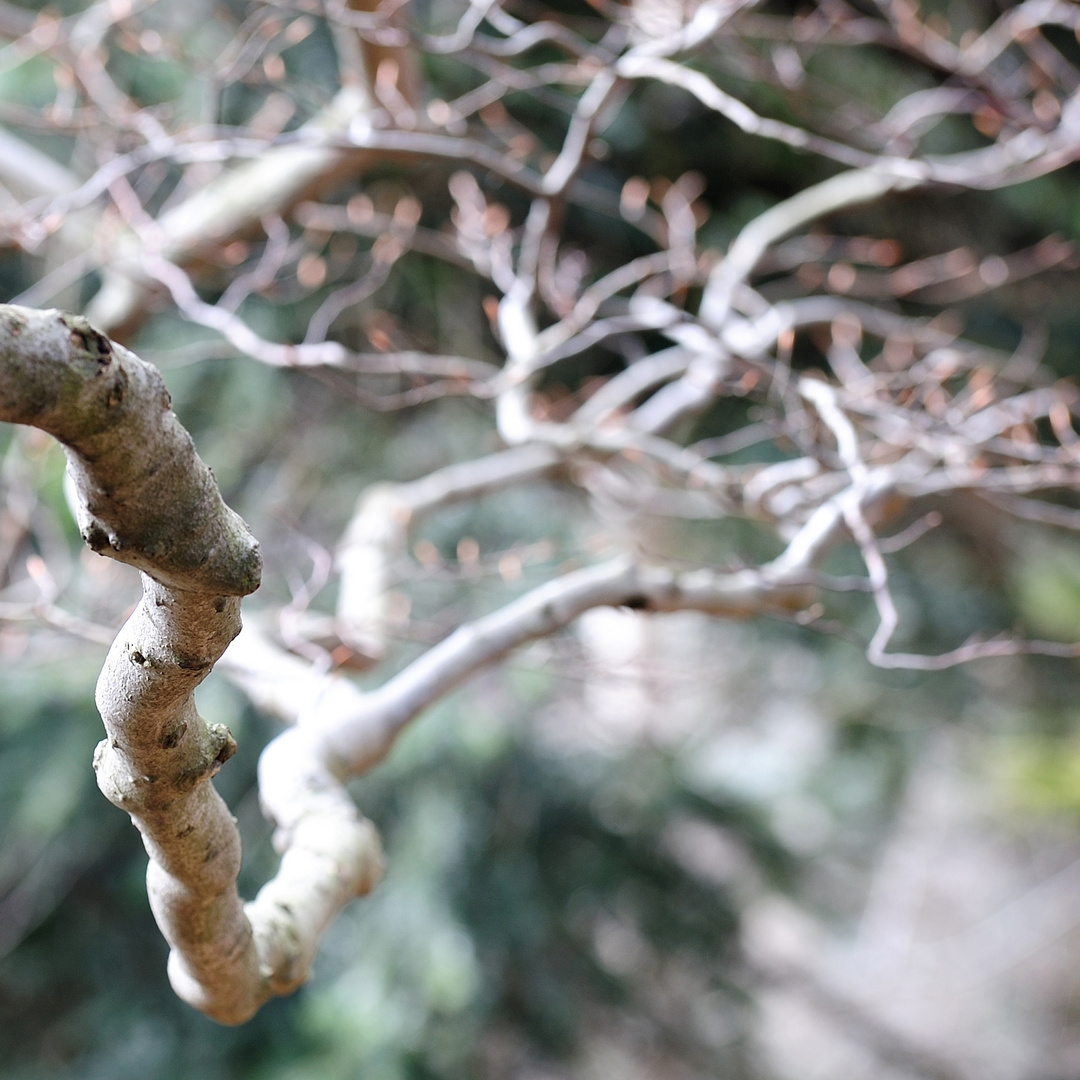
(147, 499)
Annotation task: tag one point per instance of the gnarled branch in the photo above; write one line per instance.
(147, 499)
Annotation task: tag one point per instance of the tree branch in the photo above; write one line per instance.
(147, 499)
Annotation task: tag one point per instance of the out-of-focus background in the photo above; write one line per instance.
(651, 847)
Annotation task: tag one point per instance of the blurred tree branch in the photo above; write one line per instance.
(861, 402)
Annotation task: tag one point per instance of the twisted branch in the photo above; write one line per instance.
(145, 498)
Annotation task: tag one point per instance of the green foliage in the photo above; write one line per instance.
(1040, 774)
(1046, 582)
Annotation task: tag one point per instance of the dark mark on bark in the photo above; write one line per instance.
(95, 536)
(118, 389)
(172, 738)
(191, 663)
(85, 337)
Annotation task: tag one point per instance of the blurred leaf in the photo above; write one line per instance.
(1046, 582)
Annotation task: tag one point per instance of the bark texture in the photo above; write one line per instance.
(147, 499)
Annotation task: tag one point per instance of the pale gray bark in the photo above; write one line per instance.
(147, 499)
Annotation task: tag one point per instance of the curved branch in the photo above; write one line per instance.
(147, 499)
(145, 496)
(341, 731)
(378, 532)
(232, 203)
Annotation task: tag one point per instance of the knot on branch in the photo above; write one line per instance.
(87, 339)
(224, 746)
